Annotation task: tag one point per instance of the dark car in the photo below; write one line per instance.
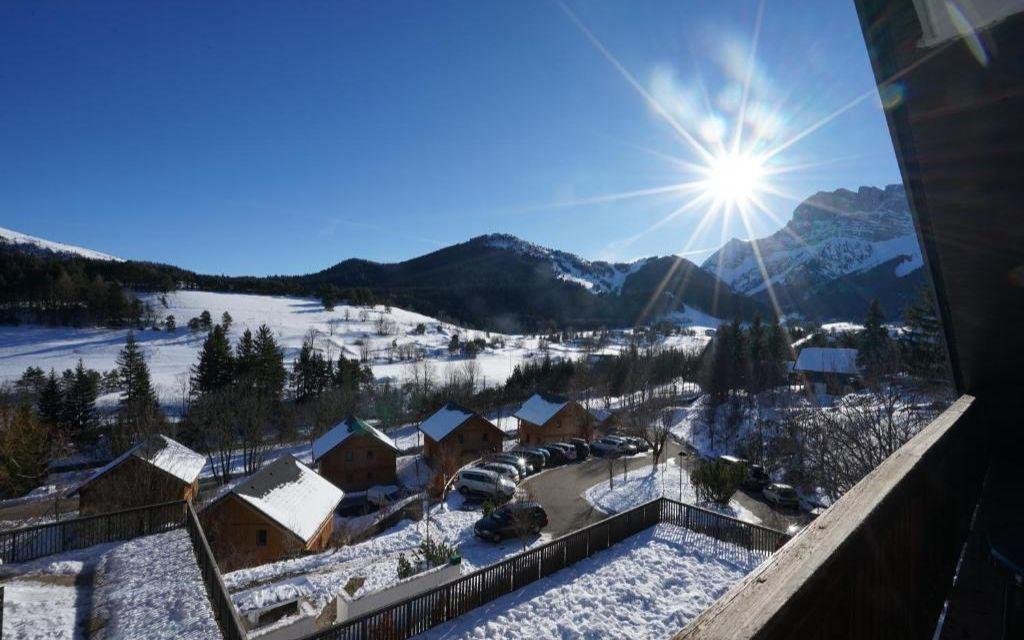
(582, 448)
(536, 457)
(556, 455)
(511, 520)
(757, 478)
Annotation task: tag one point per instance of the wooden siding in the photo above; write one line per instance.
(133, 483)
(358, 463)
(233, 528)
(472, 439)
(572, 421)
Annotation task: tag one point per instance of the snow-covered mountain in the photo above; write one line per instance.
(595, 276)
(833, 237)
(32, 243)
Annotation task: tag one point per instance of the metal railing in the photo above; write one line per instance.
(37, 541)
(418, 613)
(224, 610)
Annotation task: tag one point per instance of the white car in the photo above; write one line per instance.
(484, 482)
(507, 470)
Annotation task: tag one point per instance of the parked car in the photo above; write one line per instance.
(556, 455)
(509, 471)
(485, 483)
(568, 449)
(640, 444)
(628, 447)
(610, 446)
(538, 458)
(511, 520)
(757, 478)
(782, 495)
(514, 459)
(582, 448)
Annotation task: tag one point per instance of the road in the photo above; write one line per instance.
(560, 491)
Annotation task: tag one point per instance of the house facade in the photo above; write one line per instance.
(155, 470)
(282, 511)
(827, 370)
(355, 456)
(458, 435)
(550, 418)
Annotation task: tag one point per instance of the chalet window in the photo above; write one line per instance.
(485, 437)
(261, 537)
(369, 455)
(348, 456)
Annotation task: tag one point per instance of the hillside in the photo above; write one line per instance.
(839, 250)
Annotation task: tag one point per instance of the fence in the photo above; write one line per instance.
(223, 609)
(29, 543)
(421, 612)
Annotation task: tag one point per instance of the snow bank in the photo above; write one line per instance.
(648, 586)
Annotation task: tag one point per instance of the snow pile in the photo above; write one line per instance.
(641, 486)
(291, 494)
(648, 586)
(23, 239)
(540, 408)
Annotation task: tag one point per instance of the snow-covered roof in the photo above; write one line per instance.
(350, 426)
(291, 494)
(540, 408)
(161, 452)
(600, 413)
(827, 360)
(445, 420)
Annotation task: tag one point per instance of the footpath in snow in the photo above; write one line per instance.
(647, 586)
(149, 587)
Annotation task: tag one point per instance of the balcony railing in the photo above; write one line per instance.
(879, 563)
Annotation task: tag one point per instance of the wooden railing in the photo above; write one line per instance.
(220, 601)
(879, 562)
(37, 541)
(421, 612)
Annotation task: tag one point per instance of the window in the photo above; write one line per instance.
(484, 437)
(261, 537)
(369, 454)
(349, 456)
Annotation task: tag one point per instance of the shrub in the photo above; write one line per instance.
(404, 566)
(716, 481)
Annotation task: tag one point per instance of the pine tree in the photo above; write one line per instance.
(246, 359)
(205, 320)
(272, 374)
(225, 321)
(51, 402)
(923, 347)
(216, 367)
(80, 401)
(170, 324)
(875, 353)
(311, 372)
(139, 411)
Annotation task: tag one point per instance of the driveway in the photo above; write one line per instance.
(560, 491)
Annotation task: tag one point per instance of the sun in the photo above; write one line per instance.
(734, 177)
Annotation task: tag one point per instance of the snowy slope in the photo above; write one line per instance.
(596, 277)
(7, 236)
(831, 234)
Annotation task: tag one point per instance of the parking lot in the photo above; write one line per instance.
(560, 491)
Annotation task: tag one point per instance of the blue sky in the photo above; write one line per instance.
(255, 138)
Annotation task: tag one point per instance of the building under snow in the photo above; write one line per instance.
(283, 510)
(458, 434)
(827, 369)
(155, 470)
(355, 456)
(550, 418)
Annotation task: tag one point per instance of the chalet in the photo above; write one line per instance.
(155, 470)
(283, 510)
(549, 418)
(827, 369)
(459, 433)
(355, 456)
(603, 420)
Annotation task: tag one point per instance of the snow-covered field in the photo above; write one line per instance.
(149, 587)
(668, 480)
(319, 578)
(170, 355)
(648, 586)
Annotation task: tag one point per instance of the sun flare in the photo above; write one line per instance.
(734, 178)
